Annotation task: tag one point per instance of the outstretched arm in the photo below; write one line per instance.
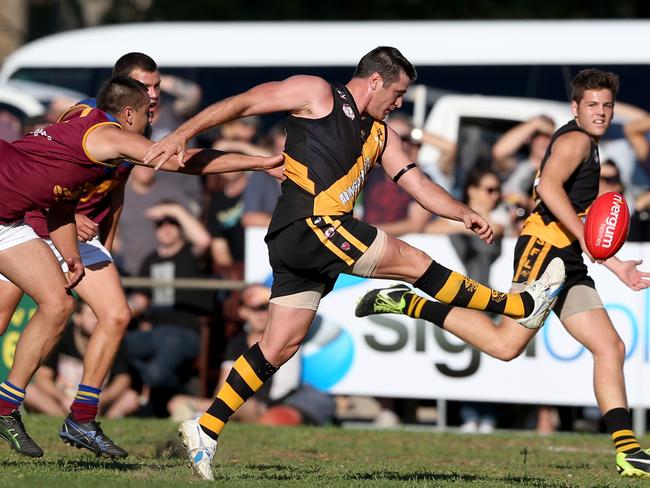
(430, 195)
(300, 95)
(628, 272)
(109, 143)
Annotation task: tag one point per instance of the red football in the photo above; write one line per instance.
(607, 225)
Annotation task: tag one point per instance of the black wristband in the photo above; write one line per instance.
(401, 172)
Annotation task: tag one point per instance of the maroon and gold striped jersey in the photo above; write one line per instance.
(51, 165)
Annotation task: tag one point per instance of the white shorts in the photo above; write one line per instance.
(92, 252)
(13, 234)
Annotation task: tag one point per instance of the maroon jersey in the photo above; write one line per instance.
(94, 202)
(50, 165)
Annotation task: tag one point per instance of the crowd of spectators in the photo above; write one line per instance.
(179, 226)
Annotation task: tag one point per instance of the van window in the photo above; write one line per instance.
(550, 82)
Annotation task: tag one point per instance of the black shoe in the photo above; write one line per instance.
(13, 431)
(90, 436)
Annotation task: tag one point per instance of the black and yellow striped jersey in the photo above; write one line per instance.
(327, 160)
(581, 187)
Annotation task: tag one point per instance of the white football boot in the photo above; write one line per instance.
(544, 292)
(200, 447)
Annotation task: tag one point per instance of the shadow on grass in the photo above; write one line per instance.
(74, 464)
(283, 472)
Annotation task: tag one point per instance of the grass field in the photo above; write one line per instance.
(327, 457)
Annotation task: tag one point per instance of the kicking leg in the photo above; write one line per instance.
(402, 261)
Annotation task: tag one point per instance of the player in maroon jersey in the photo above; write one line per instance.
(96, 217)
(51, 168)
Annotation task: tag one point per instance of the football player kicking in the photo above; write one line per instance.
(566, 185)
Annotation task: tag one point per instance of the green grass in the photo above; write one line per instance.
(327, 457)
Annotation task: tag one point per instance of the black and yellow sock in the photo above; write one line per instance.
(421, 308)
(619, 425)
(247, 376)
(456, 289)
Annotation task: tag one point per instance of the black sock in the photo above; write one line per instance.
(619, 425)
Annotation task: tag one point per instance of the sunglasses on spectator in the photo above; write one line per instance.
(262, 307)
(611, 180)
(407, 138)
(491, 189)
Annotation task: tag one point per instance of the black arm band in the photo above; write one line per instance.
(401, 172)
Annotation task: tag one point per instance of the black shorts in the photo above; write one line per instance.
(309, 254)
(533, 254)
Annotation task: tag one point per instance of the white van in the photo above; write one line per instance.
(533, 59)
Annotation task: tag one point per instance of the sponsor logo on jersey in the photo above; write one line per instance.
(347, 110)
(345, 246)
(41, 132)
(329, 232)
(351, 192)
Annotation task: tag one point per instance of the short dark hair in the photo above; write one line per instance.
(121, 91)
(130, 61)
(388, 62)
(474, 179)
(593, 79)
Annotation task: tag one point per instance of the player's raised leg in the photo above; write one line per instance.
(285, 331)
(21, 263)
(402, 261)
(101, 289)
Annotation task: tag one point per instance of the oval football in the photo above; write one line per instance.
(607, 225)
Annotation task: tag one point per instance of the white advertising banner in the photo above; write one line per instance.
(395, 356)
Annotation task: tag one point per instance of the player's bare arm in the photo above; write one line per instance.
(430, 195)
(63, 233)
(569, 151)
(108, 143)
(302, 96)
(108, 228)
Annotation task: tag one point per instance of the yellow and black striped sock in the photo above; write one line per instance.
(250, 372)
(619, 425)
(456, 289)
(420, 308)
